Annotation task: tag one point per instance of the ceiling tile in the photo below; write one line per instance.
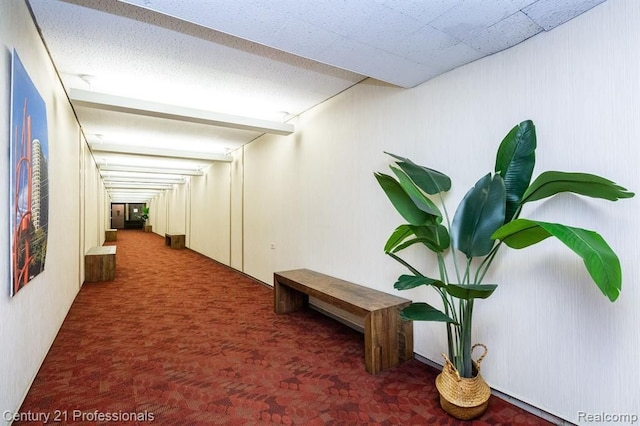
(269, 60)
(194, 66)
(504, 34)
(551, 13)
(303, 38)
(384, 66)
(451, 57)
(470, 17)
(419, 10)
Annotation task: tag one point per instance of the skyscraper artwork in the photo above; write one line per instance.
(29, 179)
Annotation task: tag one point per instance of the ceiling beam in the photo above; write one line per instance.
(112, 179)
(158, 152)
(121, 185)
(173, 112)
(152, 170)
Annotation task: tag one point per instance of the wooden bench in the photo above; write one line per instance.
(111, 235)
(388, 340)
(100, 264)
(175, 241)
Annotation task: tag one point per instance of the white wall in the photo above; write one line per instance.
(237, 210)
(158, 214)
(30, 320)
(210, 213)
(554, 340)
(92, 203)
(177, 210)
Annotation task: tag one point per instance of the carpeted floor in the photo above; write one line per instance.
(178, 339)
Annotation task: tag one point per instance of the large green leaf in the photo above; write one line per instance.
(471, 291)
(406, 282)
(599, 259)
(515, 161)
(552, 182)
(429, 180)
(521, 233)
(400, 234)
(479, 214)
(424, 312)
(416, 195)
(402, 202)
(435, 237)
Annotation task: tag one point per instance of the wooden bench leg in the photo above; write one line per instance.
(405, 340)
(101, 267)
(380, 345)
(388, 340)
(287, 299)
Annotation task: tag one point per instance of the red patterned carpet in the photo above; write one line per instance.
(178, 339)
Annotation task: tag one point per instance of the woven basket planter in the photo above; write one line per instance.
(461, 397)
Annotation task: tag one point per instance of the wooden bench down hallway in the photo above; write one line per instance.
(110, 235)
(175, 241)
(100, 264)
(388, 341)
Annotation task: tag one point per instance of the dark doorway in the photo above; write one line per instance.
(117, 216)
(134, 210)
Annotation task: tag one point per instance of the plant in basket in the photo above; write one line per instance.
(465, 247)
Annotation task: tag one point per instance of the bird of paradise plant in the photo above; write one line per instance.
(144, 216)
(487, 217)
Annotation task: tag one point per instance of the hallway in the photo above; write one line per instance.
(180, 339)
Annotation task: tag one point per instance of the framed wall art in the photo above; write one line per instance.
(29, 178)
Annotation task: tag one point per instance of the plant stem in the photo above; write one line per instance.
(402, 261)
(486, 263)
(466, 339)
(452, 248)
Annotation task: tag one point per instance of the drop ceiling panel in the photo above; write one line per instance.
(267, 60)
(470, 17)
(551, 13)
(501, 35)
(374, 31)
(138, 53)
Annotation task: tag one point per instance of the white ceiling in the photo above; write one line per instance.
(197, 79)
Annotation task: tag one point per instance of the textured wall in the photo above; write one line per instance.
(555, 341)
(177, 210)
(210, 212)
(30, 320)
(92, 203)
(237, 210)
